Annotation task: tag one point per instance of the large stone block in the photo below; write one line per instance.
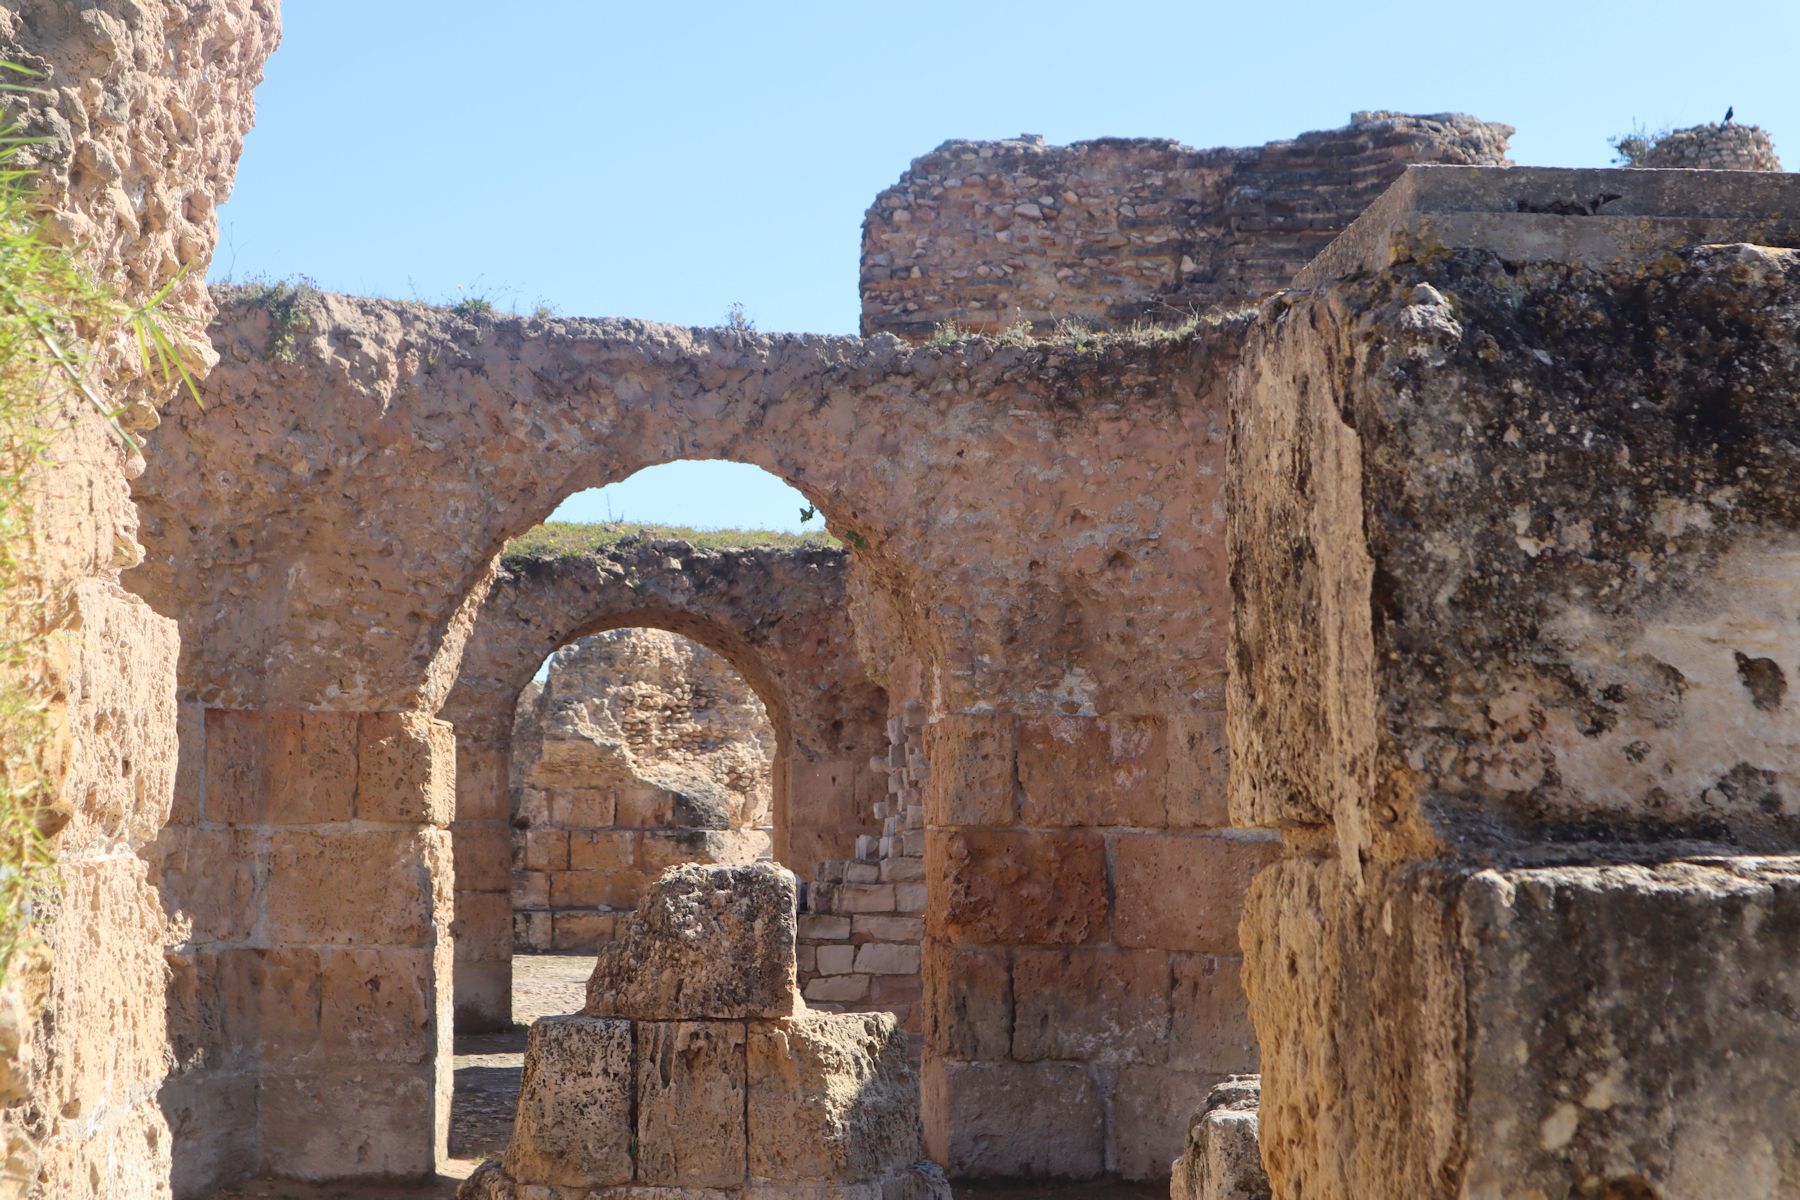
(1090, 1005)
(704, 942)
(1016, 1119)
(1210, 1027)
(968, 1002)
(208, 882)
(481, 778)
(1018, 887)
(378, 1005)
(1507, 1044)
(483, 854)
(347, 1122)
(1151, 1108)
(357, 885)
(1199, 762)
(482, 927)
(1086, 771)
(293, 768)
(1220, 1159)
(690, 1104)
(1521, 569)
(269, 1001)
(406, 769)
(574, 1122)
(1179, 892)
(832, 1099)
(212, 1129)
(972, 770)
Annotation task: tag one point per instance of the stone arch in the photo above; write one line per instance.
(778, 616)
(1037, 544)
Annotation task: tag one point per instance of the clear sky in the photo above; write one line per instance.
(667, 160)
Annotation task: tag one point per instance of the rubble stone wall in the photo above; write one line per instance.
(640, 749)
(1709, 147)
(144, 105)
(988, 234)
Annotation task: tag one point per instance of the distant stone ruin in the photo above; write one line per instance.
(641, 749)
(985, 235)
(1702, 147)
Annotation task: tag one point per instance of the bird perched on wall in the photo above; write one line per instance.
(1729, 110)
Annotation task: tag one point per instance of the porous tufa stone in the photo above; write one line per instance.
(709, 941)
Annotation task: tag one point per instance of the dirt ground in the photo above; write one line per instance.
(487, 1089)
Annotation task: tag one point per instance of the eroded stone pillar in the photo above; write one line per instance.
(1515, 548)
(324, 881)
(482, 837)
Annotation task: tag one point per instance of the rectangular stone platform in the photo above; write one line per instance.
(1579, 216)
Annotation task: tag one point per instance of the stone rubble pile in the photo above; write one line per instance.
(696, 1072)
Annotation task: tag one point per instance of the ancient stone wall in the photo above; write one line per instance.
(1706, 147)
(640, 750)
(779, 617)
(1513, 531)
(988, 234)
(300, 869)
(1042, 526)
(144, 105)
(863, 924)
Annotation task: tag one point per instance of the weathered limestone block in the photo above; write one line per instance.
(1521, 567)
(818, 1106)
(1607, 1030)
(574, 1123)
(690, 1103)
(1043, 1119)
(832, 1098)
(1222, 1160)
(705, 941)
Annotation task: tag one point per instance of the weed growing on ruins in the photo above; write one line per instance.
(1629, 149)
(1017, 334)
(575, 539)
(470, 307)
(285, 303)
(50, 312)
(947, 333)
(735, 319)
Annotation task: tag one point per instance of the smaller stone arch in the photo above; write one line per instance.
(777, 615)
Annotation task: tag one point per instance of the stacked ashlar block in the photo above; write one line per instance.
(695, 1070)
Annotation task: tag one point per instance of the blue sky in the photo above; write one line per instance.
(668, 160)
